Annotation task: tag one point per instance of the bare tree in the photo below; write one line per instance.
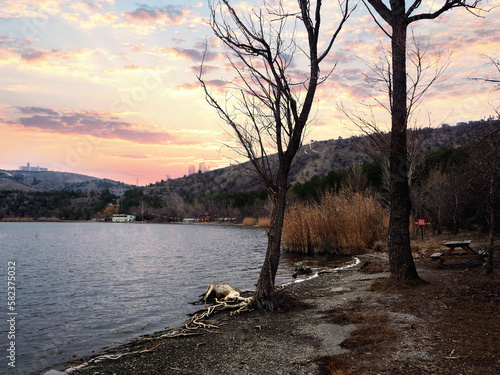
(423, 73)
(267, 106)
(143, 206)
(492, 79)
(486, 163)
(399, 16)
(484, 178)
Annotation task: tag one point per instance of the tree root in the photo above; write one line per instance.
(231, 300)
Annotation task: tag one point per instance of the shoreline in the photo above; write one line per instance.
(122, 348)
(341, 325)
(124, 353)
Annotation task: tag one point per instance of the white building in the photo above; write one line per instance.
(122, 218)
(28, 168)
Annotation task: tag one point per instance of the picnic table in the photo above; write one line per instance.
(452, 253)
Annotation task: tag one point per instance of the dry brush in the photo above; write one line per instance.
(342, 224)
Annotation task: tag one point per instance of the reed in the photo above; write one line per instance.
(264, 222)
(49, 219)
(249, 221)
(341, 224)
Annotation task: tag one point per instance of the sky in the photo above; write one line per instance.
(109, 88)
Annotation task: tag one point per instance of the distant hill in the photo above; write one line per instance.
(50, 181)
(313, 159)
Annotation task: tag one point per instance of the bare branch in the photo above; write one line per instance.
(376, 21)
(449, 4)
(382, 10)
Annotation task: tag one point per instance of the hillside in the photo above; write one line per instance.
(314, 159)
(50, 181)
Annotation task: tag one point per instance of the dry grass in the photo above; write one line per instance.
(342, 224)
(29, 219)
(264, 222)
(249, 221)
(51, 219)
(17, 219)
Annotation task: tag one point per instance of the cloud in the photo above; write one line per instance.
(37, 110)
(34, 56)
(188, 53)
(170, 15)
(8, 57)
(130, 156)
(100, 20)
(40, 9)
(91, 123)
(216, 84)
(131, 67)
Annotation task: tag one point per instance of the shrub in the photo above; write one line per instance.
(340, 224)
(249, 221)
(264, 222)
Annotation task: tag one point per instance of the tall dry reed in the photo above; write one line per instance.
(342, 224)
(249, 221)
(264, 222)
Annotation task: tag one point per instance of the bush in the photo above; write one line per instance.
(249, 221)
(264, 222)
(340, 224)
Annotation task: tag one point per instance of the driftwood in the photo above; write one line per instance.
(224, 292)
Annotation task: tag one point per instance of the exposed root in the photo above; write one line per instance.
(118, 356)
(231, 300)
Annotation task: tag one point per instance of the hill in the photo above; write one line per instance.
(51, 181)
(313, 159)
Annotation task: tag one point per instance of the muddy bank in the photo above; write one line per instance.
(341, 327)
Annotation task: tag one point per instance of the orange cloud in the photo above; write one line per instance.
(100, 20)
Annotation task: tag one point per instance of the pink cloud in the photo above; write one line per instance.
(33, 56)
(131, 67)
(216, 84)
(189, 53)
(169, 14)
(90, 123)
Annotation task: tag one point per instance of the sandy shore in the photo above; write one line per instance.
(340, 327)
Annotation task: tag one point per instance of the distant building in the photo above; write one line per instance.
(191, 220)
(205, 217)
(123, 218)
(191, 170)
(28, 168)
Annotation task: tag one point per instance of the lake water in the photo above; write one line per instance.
(84, 286)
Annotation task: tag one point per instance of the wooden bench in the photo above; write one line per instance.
(451, 252)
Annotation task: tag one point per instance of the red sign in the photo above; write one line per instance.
(421, 221)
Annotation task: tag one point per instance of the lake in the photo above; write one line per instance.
(80, 287)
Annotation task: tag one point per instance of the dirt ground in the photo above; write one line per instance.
(344, 324)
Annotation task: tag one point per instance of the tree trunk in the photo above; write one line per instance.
(400, 257)
(265, 284)
(491, 237)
